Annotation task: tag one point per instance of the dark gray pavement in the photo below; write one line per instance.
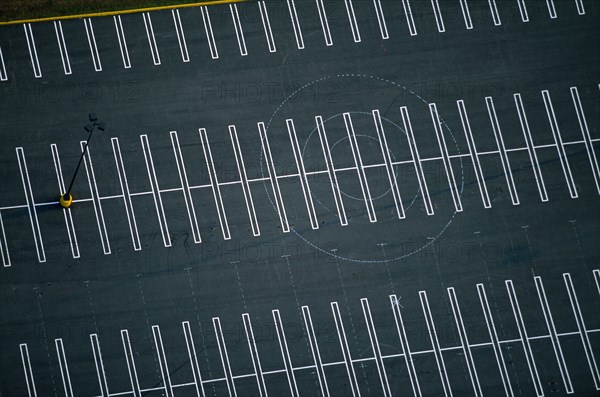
(452, 258)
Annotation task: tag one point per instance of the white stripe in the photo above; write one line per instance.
(589, 146)
(585, 340)
(135, 236)
(224, 356)
(314, 348)
(33, 218)
(494, 11)
(64, 367)
(35, 63)
(580, 8)
(285, 353)
(439, 20)
(191, 348)
(339, 327)
(295, 24)
(99, 365)
(596, 273)
(352, 20)
(180, 36)
(264, 16)
(89, 170)
(416, 161)
(89, 31)
(162, 361)
(314, 222)
(410, 365)
(135, 384)
(362, 176)
(551, 9)
(185, 187)
(212, 174)
(66, 211)
(560, 147)
(324, 23)
(523, 10)
(122, 41)
(62, 47)
(466, 14)
(3, 75)
(502, 149)
(260, 379)
(239, 159)
(4, 245)
(439, 133)
(151, 38)
(214, 53)
(535, 165)
(409, 17)
(381, 19)
(560, 359)
(239, 32)
(385, 384)
(27, 370)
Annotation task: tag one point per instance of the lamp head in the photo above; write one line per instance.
(93, 117)
(89, 127)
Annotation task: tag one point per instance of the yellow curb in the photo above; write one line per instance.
(131, 11)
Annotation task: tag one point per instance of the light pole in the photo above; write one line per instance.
(66, 199)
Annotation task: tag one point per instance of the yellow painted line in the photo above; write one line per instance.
(120, 12)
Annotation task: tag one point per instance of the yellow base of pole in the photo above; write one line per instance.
(65, 202)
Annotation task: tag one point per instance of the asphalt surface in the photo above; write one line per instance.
(432, 233)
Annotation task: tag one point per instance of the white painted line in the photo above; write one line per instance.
(314, 222)
(439, 133)
(352, 20)
(464, 341)
(66, 211)
(439, 20)
(33, 218)
(381, 19)
(185, 56)
(494, 339)
(324, 23)
(264, 16)
(580, 8)
(100, 366)
(583, 333)
(3, 75)
(31, 391)
(285, 353)
(510, 182)
(560, 359)
(560, 147)
(239, 159)
(62, 47)
(135, 236)
(135, 383)
(314, 348)
(416, 160)
(523, 10)
(185, 187)
(410, 365)
(239, 32)
(535, 164)
(224, 356)
(151, 38)
(295, 24)
(389, 164)
(160, 211)
(89, 170)
(439, 358)
(385, 384)
(551, 9)
(64, 367)
(122, 41)
(260, 379)
(191, 348)
(4, 245)
(362, 176)
(266, 150)
(516, 309)
(214, 53)
(339, 326)
(589, 147)
(212, 174)
(33, 56)
(162, 360)
(89, 31)
(409, 18)
(494, 11)
(596, 273)
(466, 14)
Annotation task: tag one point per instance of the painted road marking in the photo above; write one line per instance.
(33, 218)
(381, 19)
(64, 367)
(189, 342)
(596, 273)
(352, 20)
(31, 391)
(285, 353)
(260, 379)
(339, 326)
(66, 211)
(151, 38)
(4, 245)
(3, 75)
(324, 23)
(314, 348)
(523, 10)
(99, 365)
(224, 356)
(535, 164)
(589, 146)
(439, 20)
(385, 384)
(580, 8)
(295, 24)
(33, 56)
(409, 18)
(185, 56)
(214, 53)
(122, 41)
(412, 373)
(89, 170)
(135, 383)
(551, 9)
(264, 16)
(239, 32)
(466, 14)
(162, 361)
(62, 47)
(494, 11)
(89, 31)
